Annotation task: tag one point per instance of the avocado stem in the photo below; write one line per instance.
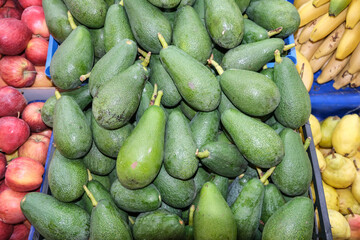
(85, 76)
(162, 40)
(241, 176)
(57, 95)
(91, 196)
(191, 215)
(278, 58)
(121, 3)
(288, 47)
(158, 98)
(90, 178)
(262, 174)
(142, 52)
(245, 16)
(146, 61)
(267, 175)
(71, 21)
(307, 143)
(131, 220)
(274, 31)
(154, 95)
(203, 154)
(265, 67)
(218, 68)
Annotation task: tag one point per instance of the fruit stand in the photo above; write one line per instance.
(207, 122)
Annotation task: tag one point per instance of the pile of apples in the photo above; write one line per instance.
(23, 149)
(24, 43)
(337, 143)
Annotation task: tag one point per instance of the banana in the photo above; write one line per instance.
(308, 12)
(304, 69)
(348, 42)
(327, 61)
(331, 42)
(353, 14)
(317, 63)
(343, 78)
(332, 69)
(355, 82)
(298, 3)
(355, 61)
(326, 25)
(296, 35)
(305, 34)
(336, 6)
(308, 49)
(318, 3)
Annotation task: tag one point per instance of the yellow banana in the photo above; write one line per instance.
(348, 42)
(355, 82)
(355, 61)
(317, 63)
(304, 69)
(308, 12)
(305, 34)
(297, 44)
(343, 78)
(336, 6)
(298, 3)
(327, 61)
(332, 69)
(308, 49)
(353, 14)
(326, 25)
(331, 42)
(318, 3)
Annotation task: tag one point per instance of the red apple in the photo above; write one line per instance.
(4, 84)
(10, 211)
(46, 132)
(12, 102)
(34, 18)
(24, 174)
(14, 4)
(14, 36)
(28, 3)
(13, 133)
(21, 232)
(36, 147)
(27, 224)
(36, 51)
(5, 230)
(354, 222)
(2, 2)
(3, 186)
(7, 12)
(41, 79)
(2, 165)
(32, 116)
(17, 71)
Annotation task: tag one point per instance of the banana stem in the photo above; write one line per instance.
(203, 154)
(71, 21)
(154, 95)
(218, 68)
(307, 143)
(267, 175)
(57, 95)
(89, 194)
(90, 178)
(146, 61)
(142, 52)
(162, 40)
(191, 215)
(85, 76)
(275, 31)
(288, 47)
(278, 58)
(121, 3)
(158, 98)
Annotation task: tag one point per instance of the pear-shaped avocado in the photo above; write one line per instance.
(273, 200)
(213, 218)
(204, 127)
(145, 99)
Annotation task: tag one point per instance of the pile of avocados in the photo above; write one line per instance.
(179, 131)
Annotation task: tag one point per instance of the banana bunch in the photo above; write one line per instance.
(328, 40)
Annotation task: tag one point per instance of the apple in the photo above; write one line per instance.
(10, 211)
(14, 36)
(5, 230)
(21, 232)
(27, 224)
(41, 79)
(32, 116)
(24, 174)
(11, 156)
(354, 222)
(17, 71)
(4, 84)
(36, 51)
(28, 3)
(36, 147)
(47, 132)
(7, 12)
(3, 186)
(13, 133)
(14, 4)
(34, 18)
(2, 165)
(12, 102)
(2, 2)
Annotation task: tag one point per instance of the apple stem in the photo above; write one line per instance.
(85, 76)
(71, 21)
(57, 95)
(19, 117)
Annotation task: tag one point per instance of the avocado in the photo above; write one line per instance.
(273, 200)
(73, 58)
(171, 209)
(186, 2)
(179, 153)
(144, 100)
(225, 103)
(104, 180)
(190, 35)
(54, 219)
(253, 32)
(187, 110)
(97, 37)
(268, 72)
(165, 3)
(222, 184)
(199, 7)
(97, 162)
(146, 22)
(224, 22)
(200, 178)
(257, 142)
(242, 4)
(204, 127)
(274, 124)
